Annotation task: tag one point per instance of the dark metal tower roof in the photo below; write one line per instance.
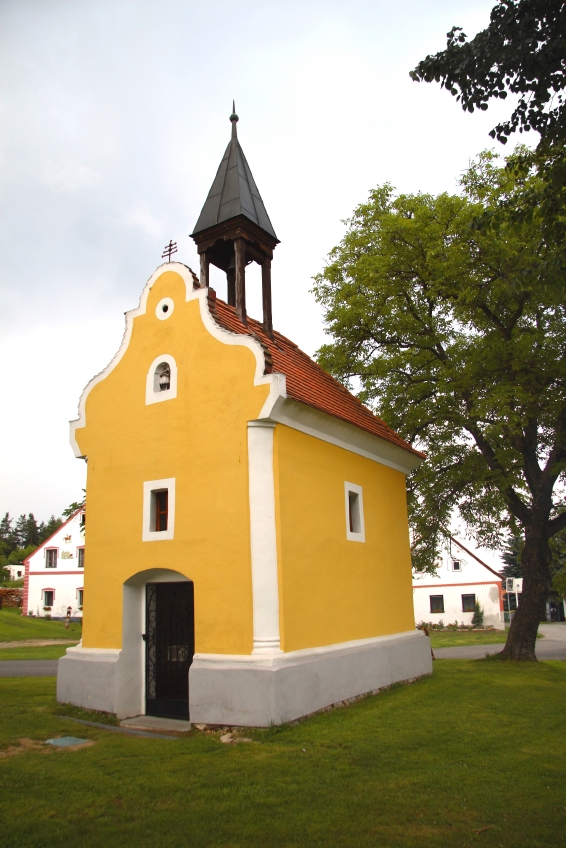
(233, 191)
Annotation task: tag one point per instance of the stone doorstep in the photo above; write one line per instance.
(146, 722)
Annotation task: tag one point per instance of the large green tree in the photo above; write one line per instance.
(457, 336)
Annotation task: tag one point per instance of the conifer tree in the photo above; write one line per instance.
(511, 555)
(477, 618)
(47, 530)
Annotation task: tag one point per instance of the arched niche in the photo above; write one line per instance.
(161, 380)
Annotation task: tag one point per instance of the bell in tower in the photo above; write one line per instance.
(234, 229)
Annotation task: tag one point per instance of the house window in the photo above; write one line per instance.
(437, 603)
(354, 512)
(355, 530)
(468, 603)
(456, 565)
(158, 509)
(48, 597)
(161, 379)
(80, 557)
(80, 597)
(82, 519)
(51, 557)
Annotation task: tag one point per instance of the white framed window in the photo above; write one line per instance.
(456, 565)
(80, 557)
(468, 603)
(51, 557)
(48, 598)
(355, 528)
(80, 596)
(436, 603)
(158, 509)
(161, 380)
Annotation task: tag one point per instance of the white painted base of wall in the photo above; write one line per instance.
(259, 690)
(251, 691)
(496, 621)
(86, 677)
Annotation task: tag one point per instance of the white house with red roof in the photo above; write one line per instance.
(54, 573)
(461, 579)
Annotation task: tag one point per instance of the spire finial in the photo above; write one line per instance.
(234, 118)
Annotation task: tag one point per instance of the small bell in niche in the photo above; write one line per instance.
(164, 378)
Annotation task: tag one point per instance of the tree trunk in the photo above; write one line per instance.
(535, 561)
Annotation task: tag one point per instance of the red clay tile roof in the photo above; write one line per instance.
(306, 381)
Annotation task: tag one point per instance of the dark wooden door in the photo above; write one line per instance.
(170, 646)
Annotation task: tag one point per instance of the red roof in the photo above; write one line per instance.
(306, 381)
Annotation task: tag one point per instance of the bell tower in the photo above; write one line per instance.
(234, 230)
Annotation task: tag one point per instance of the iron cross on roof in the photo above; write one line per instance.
(169, 249)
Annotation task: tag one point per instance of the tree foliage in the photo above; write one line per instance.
(457, 336)
(522, 51)
(75, 505)
(511, 555)
(559, 583)
(513, 549)
(19, 538)
(477, 618)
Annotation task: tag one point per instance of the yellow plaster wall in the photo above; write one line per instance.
(191, 438)
(332, 589)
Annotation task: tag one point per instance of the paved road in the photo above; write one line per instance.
(555, 632)
(28, 668)
(552, 647)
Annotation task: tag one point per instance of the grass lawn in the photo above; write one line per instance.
(34, 652)
(15, 626)
(454, 639)
(473, 756)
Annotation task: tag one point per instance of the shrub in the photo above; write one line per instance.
(477, 619)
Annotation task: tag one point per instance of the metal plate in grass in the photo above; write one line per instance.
(66, 741)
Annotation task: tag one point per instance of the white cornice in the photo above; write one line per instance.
(341, 433)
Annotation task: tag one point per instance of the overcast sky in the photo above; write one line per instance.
(114, 119)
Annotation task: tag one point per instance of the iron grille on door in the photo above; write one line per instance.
(169, 647)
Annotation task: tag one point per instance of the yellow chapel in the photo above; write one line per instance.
(247, 558)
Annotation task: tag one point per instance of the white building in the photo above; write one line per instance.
(462, 578)
(54, 573)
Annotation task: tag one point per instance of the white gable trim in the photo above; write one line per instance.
(276, 382)
(277, 407)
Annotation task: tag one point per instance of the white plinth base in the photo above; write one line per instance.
(99, 679)
(250, 691)
(260, 690)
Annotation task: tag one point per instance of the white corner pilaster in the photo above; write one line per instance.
(265, 584)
